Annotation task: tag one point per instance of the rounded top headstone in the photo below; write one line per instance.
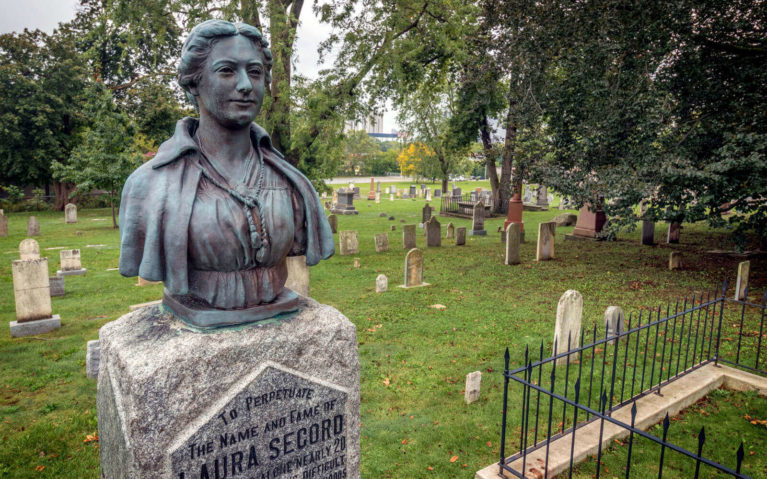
(29, 249)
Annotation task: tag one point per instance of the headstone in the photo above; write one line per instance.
(378, 186)
(674, 229)
(545, 249)
(456, 193)
(542, 198)
(391, 197)
(392, 190)
(29, 249)
(393, 228)
(382, 242)
(382, 283)
(335, 198)
(3, 225)
(615, 321)
(460, 236)
(231, 397)
(412, 190)
(568, 325)
(473, 384)
(414, 269)
(377, 197)
(57, 285)
(408, 237)
(675, 260)
(590, 223)
(741, 283)
(438, 193)
(423, 186)
(32, 295)
(92, 356)
(450, 232)
(33, 227)
(348, 243)
(357, 263)
(70, 263)
(648, 232)
(433, 233)
(428, 194)
(298, 275)
(473, 196)
(478, 220)
(70, 213)
(528, 196)
(513, 240)
(333, 221)
(372, 193)
(356, 192)
(426, 213)
(345, 204)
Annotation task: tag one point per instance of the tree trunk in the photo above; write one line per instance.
(62, 192)
(492, 173)
(507, 160)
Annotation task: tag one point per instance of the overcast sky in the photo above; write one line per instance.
(46, 15)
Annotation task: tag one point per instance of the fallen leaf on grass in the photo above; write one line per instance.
(39, 468)
(386, 382)
(404, 441)
(91, 438)
(429, 468)
(454, 458)
(438, 306)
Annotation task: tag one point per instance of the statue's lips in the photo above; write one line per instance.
(243, 102)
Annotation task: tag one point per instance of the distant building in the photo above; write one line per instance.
(371, 124)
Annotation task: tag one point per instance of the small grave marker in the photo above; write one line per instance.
(675, 260)
(545, 249)
(741, 284)
(70, 213)
(473, 384)
(433, 233)
(348, 242)
(414, 269)
(408, 237)
(567, 329)
(478, 220)
(382, 242)
(513, 239)
(460, 236)
(382, 283)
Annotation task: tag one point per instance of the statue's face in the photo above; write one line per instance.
(231, 89)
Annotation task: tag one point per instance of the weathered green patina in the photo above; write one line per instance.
(215, 213)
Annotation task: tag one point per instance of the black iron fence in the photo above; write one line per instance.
(463, 205)
(585, 381)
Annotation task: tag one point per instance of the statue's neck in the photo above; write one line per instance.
(229, 148)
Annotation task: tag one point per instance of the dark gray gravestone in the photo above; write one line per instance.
(408, 237)
(648, 233)
(460, 236)
(333, 221)
(437, 193)
(412, 190)
(674, 230)
(426, 213)
(478, 220)
(433, 232)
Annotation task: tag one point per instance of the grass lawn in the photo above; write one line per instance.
(414, 358)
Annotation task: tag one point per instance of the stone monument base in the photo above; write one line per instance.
(344, 211)
(38, 326)
(278, 398)
(71, 272)
(477, 232)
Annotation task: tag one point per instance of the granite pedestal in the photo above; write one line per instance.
(279, 398)
(38, 326)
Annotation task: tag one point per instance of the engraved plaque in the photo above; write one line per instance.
(279, 425)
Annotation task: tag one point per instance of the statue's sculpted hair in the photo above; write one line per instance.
(201, 40)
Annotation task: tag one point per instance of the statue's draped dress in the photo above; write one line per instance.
(234, 261)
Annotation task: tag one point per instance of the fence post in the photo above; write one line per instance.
(719, 328)
(505, 405)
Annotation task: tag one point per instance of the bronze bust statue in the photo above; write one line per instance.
(216, 212)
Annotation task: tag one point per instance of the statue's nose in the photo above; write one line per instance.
(243, 82)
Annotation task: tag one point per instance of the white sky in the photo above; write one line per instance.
(46, 14)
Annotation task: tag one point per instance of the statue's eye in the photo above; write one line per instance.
(255, 72)
(225, 70)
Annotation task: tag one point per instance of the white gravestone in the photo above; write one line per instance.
(568, 325)
(298, 275)
(29, 249)
(615, 321)
(32, 295)
(473, 385)
(741, 284)
(382, 283)
(70, 213)
(348, 242)
(382, 242)
(674, 260)
(450, 233)
(545, 249)
(513, 239)
(70, 263)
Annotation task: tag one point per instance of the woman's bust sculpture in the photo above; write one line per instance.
(216, 212)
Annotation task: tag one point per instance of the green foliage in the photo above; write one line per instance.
(41, 87)
(107, 153)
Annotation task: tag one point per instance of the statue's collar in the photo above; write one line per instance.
(182, 142)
